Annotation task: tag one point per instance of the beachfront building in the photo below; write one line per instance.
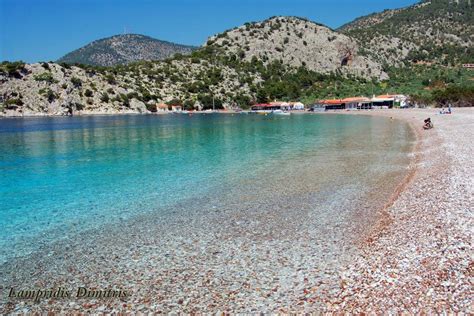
(161, 107)
(401, 101)
(284, 106)
(274, 106)
(297, 106)
(356, 103)
(383, 102)
(288, 106)
(268, 107)
(334, 104)
(388, 101)
(176, 108)
(362, 103)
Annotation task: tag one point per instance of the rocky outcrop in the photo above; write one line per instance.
(298, 42)
(53, 89)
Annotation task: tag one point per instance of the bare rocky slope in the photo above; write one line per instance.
(436, 31)
(54, 89)
(298, 42)
(123, 49)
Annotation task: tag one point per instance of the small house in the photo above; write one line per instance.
(357, 103)
(162, 107)
(297, 106)
(176, 108)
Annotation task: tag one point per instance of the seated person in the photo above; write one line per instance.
(428, 123)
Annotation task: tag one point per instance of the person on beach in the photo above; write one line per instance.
(428, 123)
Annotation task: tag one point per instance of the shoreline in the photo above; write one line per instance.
(355, 290)
(419, 259)
(92, 113)
(384, 212)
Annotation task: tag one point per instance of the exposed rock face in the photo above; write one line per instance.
(123, 49)
(437, 31)
(56, 90)
(298, 42)
(52, 89)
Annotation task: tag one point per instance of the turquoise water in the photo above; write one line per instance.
(61, 176)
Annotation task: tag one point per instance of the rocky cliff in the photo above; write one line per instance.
(298, 42)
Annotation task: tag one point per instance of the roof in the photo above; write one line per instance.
(355, 99)
(162, 105)
(331, 102)
(264, 105)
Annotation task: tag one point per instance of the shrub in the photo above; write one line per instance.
(110, 79)
(175, 101)
(65, 65)
(48, 94)
(76, 82)
(79, 106)
(125, 100)
(151, 107)
(104, 97)
(88, 93)
(133, 95)
(13, 103)
(45, 76)
(13, 69)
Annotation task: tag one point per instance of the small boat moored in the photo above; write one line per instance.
(280, 112)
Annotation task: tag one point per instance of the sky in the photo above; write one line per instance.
(44, 30)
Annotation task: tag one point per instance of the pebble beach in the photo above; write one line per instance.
(421, 259)
(416, 257)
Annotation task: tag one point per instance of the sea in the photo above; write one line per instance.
(63, 176)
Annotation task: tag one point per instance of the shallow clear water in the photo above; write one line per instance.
(61, 176)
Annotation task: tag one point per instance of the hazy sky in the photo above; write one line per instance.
(43, 30)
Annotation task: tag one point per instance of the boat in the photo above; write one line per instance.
(280, 112)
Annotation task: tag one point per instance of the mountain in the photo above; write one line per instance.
(281, 58)
(298, 42)
(436, 31)
(123, 49)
